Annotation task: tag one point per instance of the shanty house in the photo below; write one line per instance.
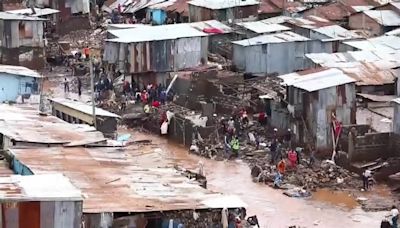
(43, 200)
(17, 81)
(312, 97)
(22, 42)
(73, 15)
(222, 10)
(81, 113)
(45, 13)
(376, 22)
(155, 50)
(278, 53)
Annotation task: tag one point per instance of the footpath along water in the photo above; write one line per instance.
(274, 210)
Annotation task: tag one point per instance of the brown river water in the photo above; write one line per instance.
(325, 208)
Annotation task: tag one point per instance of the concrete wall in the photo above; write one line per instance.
(11, 86)
(371, 146)
(361, 21)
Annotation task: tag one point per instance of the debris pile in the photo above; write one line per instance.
(323, 175)
(82, 38)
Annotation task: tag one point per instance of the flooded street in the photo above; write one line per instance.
(274, 210)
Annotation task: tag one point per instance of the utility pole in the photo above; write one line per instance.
(92, 92)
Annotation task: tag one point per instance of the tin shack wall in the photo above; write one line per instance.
(190, 52)
(281, 58)
(58, 214)
(318, 107)
(197, 13)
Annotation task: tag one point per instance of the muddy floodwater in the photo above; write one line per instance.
(325, 208)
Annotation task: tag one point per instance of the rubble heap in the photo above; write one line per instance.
(322, 175)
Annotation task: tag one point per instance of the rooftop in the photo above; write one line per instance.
(44, 187)
(310, 22)
(336, 32)
(317, 80)
(25, 124)
(223, 4)
(381, 43)
(104, 173)
(18, 17)
(384, 17)
(277, 20)
(38, 12)
(84, 108)
(167, 32)
(154, 33)
(19, 70)
(272, 38)
(368, 68)
(262, 27)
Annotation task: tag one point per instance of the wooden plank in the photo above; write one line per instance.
(29, 214)
(64, 214)
(47, 214)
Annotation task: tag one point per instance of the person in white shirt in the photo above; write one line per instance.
(365, 176)
(394, 213)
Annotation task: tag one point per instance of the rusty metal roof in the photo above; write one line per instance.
(115, 180)
(262, 27)
(44, 187)
(366, 67)
(24, 124)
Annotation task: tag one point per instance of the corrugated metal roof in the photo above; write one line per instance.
(310, 22)
(134, 6)
(223, 4)
(361, 8)
(377, 98)
(317, 80)
(201, 25)
(277, 20)
(38, 12)
(84, 108)
(368, 68)
(384, 17)
(26, 125)
(104, 173)
(262, 27)
(272, 38)
(381, 43)
(19, 70)
(395, 32)
(42, 187)
(355, 58)
(336, 32)
(18, 17)
(153, 33)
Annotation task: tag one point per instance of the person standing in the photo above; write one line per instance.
(79, 87)
(394, 213)
(66, 85)
(365, 178)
